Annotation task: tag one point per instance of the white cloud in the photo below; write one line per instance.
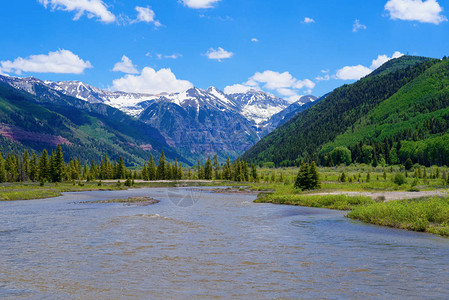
(237, 89)
(353, 72)
(173, 56)
(381, 59)
(93, 8)
(358, 26)
(147, 15)
(125, 66)
(308, 20)
(218, 54)
(254, 40)
(199, 3)
(152, 82)
(427, 11)
(61, 61)
(284, 84)
(148, 54)
(325, 77)
(359, 71)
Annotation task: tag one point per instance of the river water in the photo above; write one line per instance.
(200, 244)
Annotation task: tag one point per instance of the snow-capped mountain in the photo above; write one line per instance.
(200, 122)
(126, 102)
(258, 106)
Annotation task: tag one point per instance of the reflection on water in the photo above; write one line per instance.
(206, 245)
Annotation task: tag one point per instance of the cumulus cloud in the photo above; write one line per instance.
(200, 3)
(353, 72)
(254, 40)
(428, 11)
(308, 20)
(147, 15)
(359, 71)
(92, 8)
(61, 61)
(381, 59)
(125, 66)
(238, 89)
(152, 82)
(284, 84)
(358, 26)
(218, 54)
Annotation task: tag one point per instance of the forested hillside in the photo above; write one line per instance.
(302, 137)
(413, 123)
(88, 131)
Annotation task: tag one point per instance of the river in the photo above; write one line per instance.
(200, 244)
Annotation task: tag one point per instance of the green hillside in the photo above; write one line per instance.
(85, 131)
(415, 121)
(304, 135)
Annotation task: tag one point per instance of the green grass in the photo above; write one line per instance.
(340, 202)
(425, 215)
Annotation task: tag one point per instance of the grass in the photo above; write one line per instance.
(425, 215)
(340, 202)
(142, 201)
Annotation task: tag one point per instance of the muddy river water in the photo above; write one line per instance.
(199, 244)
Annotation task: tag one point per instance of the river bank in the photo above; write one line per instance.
(425, 211)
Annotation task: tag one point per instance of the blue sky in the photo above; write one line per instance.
(286, 47)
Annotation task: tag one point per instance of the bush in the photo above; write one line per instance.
(399, 179)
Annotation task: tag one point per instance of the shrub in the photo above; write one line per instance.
(399, 179)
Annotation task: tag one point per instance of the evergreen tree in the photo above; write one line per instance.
(408, 164)
(58, 165)
(303, 181)
(314, 177)
(254, 173)
(208, 169)
(2, 169)
(43, 167)
(33, 167)
(227, 172)
(152, 169)
(160, 173)
(145, 174)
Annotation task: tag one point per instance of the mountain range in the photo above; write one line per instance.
(191, 125)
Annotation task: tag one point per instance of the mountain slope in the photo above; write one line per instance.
(417, 116)
(85, 130)
(303, 135)
(286, 114)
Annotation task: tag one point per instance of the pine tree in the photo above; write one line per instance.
(145, 175)
(227, 172)
(254, 173)
(26, 163)
(121, 170)
(160, 173)
(180, 172)
(2, 169)
(152, 168)
(43, 166)
(314, 177)
(303, 179)
(208, 169)
(57, 165)
(33, 167)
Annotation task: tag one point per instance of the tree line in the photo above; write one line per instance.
(54, 168)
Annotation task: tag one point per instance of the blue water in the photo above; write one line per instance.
(200, 244)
